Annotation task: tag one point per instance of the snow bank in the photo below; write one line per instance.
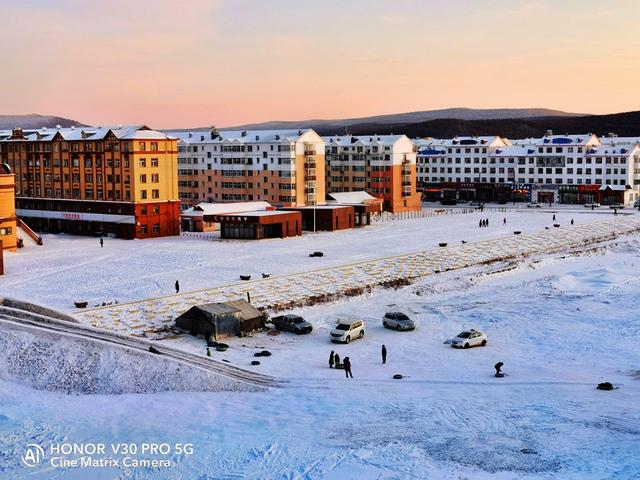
(49, 361)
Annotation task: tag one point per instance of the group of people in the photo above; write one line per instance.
(334, 361)
(485, 222)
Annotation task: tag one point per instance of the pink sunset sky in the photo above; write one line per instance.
(227, 62)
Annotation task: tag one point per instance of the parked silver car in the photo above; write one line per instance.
(397, 321)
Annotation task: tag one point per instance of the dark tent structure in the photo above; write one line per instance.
(216, 321)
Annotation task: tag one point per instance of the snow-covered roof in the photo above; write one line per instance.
(619, 140)
(570, 140)
(481, 141)
(45, 134)
(348, 140)
(206, 208)
(261, 136)
(611, 150)
(513, 151)
(259, 213)
(352, 198)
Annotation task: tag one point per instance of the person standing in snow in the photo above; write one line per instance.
(498, 366)
(384, 354)
(554, 217)
(504, 221)
(337, 359)
(331, 359)
(480, 223)
(101, 242)
(572, 221)
(486, 222)
(347, 367)
(177, 286)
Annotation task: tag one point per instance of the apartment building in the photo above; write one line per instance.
(119, 181)
(8, 219)
(283, 167)
(553, 168)
(382, 165)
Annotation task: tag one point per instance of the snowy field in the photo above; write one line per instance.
(560, 325)
(126, 270)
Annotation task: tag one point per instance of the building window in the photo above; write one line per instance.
(155, 178)
(154, 162)
(142, 146)
(143, 178)
(143, 229)
(5, 231)
(155, 193)
(156, 228)
(143, 194)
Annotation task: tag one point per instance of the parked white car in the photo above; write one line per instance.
(347, 330)
(397, 321)
(591, 205)
(468, 338)
(534, 205)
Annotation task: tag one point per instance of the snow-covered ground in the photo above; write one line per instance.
(72, 268)
(560, 325)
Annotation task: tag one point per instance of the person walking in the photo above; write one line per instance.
(347, 367)
(572, 221)
(337, 360)
(615, 212)
(177, 286)
(554, 217)
(480, 223)
(486, 222)
(331, 359)
(101, 242)
(504, 221)
(384, 354)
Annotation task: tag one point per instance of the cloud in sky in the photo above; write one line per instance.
(168, 63)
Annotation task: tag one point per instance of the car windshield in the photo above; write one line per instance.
(342, 326)
(298, 320)
(464, 335)
(402, 316)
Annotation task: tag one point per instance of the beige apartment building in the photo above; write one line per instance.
(382, 165)
(283, 167)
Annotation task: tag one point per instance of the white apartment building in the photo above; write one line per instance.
(382, 165)
(283, 167)
(554, 168)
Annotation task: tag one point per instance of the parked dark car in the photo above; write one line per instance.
(291, 323)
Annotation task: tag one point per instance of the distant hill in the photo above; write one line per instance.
(339, 126)
(34, 120)
(623, 124)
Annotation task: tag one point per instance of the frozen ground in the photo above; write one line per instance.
(559, 325)
(70, 268)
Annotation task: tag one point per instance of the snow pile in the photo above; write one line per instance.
(74, 365)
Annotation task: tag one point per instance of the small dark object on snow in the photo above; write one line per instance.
(263, 353)
(498, 366)
(80, 304)
(528, 451)
(557, 225)
(442, 244)
(517, 232)
(221, 347)
(605, 386)
(546, 228)
(255, 362)
(153, 349)
(463, 241)
(316, 254)
(266, 275)
(397, 376)
(245, 277)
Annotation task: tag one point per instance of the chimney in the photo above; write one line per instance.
(243, 133)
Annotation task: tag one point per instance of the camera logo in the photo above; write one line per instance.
(33, 455)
